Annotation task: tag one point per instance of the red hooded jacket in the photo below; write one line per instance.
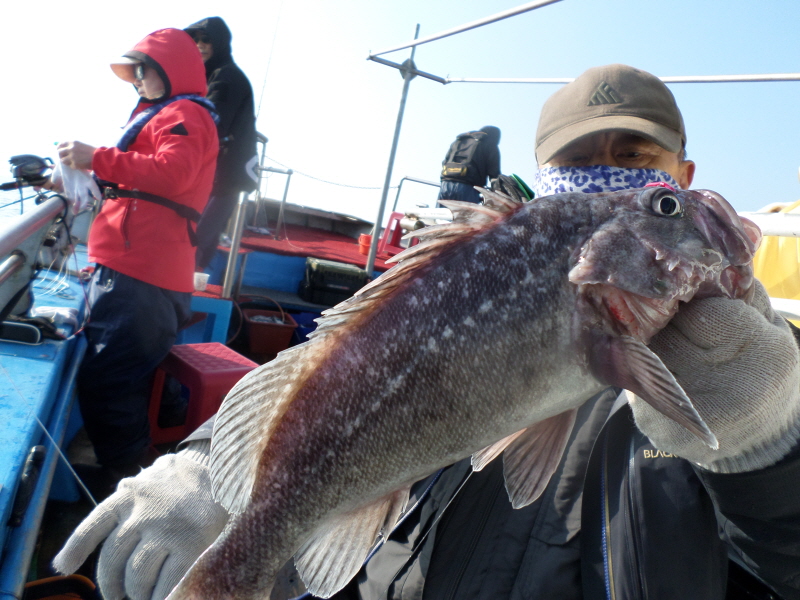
(174, 156)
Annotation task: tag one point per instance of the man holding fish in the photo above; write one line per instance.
(694, 504)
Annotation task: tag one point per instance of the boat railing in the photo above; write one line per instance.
(238, 224)
(414, 180)
(20, 239)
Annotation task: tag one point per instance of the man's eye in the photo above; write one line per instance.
(576, 158)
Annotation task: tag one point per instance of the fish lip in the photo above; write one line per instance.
(740, 237)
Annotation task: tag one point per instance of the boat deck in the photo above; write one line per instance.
(302, 241)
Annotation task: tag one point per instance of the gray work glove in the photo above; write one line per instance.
(740, 366)
(154, 526)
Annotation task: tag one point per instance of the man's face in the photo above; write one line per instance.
(147, 82)
(204, 45)
(618, 149)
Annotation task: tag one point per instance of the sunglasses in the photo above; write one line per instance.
(202, 39)
(138, 71)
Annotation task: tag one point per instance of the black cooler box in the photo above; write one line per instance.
(328, 282)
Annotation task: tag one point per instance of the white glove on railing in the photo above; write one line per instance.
(154, 526)
(740, 366)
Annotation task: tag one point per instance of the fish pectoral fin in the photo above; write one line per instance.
(481, 458)
(336, 551)
(530, 460)
(640, 371)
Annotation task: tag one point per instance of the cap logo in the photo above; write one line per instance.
(604, 94)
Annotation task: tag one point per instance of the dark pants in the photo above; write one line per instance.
(212, 223)
(457, 190)
(131, 328)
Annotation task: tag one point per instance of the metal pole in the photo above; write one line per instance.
(261, 138)
(11, 265)
(473, 25)
(397, 197)
(407, 77)
(763, 77)
(415, 180)
(16, 230)
(236, 240)
(404, 68)
(278, 226)
(780, 224)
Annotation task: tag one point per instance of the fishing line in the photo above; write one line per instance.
(269, 60)
(66, 462)
(355, 187)
(53, 442)
(20, 201)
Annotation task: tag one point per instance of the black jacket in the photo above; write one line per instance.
(486, 161)
(642, 523)
(232, 95)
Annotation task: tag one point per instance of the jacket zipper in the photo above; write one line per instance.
(634, 524)
(608, 563)
(131, 206)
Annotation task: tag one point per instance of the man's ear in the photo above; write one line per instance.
(686, 174)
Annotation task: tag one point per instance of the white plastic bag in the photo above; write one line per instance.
(78, 185)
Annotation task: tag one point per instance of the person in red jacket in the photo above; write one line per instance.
(157, 181)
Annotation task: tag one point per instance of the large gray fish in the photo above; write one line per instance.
(485, 339)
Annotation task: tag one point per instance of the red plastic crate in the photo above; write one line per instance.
(208, 371)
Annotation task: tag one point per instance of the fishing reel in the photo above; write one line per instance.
(28, 170)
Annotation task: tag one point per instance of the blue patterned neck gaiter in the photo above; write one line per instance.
(599, 178)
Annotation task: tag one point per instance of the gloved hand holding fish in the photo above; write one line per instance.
(485, 339)
(152, 528)
(723, 369)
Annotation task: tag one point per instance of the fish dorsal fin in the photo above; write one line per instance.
(467, 218)
(481, 458)
(244, 423)
(252, 408)
(530, 460)
(637, 369)
(334, 554)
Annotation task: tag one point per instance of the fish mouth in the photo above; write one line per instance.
(629, 314)
(738, 237)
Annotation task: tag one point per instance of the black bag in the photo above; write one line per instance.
(327, 282)
(458, 164)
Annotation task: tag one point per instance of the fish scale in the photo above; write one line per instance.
(485, 338)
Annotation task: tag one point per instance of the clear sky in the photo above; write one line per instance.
(330, 114)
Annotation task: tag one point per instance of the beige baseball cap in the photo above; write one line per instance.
(613, 97)
(123, 68)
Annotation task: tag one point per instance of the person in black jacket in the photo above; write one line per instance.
(471, 159)
(637, 507)
(232, 95)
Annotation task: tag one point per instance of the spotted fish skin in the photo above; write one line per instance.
(489, 328)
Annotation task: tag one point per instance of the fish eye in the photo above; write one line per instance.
(667, 205)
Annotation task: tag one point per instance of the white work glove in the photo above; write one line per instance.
(77, 185)
(740, 366)
(154, 526)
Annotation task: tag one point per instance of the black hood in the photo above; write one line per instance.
(492, 134)
(216, 29)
